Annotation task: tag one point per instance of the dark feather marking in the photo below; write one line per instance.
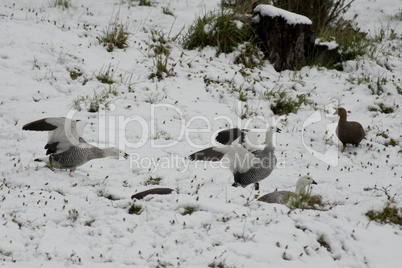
(51, 148)
(208, 154)
(159, 191)
(227, 136)
(39, 125)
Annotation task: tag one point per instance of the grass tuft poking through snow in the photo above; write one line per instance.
(115, 35)
(391, 213)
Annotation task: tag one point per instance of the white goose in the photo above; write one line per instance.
(247, 167)
(66, 147)
(281, 197)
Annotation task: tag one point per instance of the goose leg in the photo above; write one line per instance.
(256, 186)
(343, 148)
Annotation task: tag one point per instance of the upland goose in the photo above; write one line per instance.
(348, 132)
(66, 147)
(247, 167)
(281, 197)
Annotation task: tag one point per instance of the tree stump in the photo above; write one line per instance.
(286, 38)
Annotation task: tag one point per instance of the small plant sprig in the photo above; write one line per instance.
(153, 181)
(135, 209)
(65, 4)
(105, 75)
(305, 200)
(115, 35)
(282, 101)
(96, 100)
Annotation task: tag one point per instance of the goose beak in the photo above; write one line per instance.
(278, 130)
(126, 155)
(314, 182)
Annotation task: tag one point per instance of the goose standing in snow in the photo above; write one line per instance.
(247, 167)
(66, 147)
(281, 197)
(348, 132)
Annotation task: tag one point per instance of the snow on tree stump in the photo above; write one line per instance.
(287, 38)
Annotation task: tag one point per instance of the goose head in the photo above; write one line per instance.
(342, 113)
(115, 153)
(303, 182)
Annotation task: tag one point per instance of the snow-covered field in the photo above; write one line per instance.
(57, 218)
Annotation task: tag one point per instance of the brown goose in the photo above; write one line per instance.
(348, 132)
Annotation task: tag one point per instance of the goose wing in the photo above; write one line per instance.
(245, 137)
(238, 158)
(209, 154)
(63, 132)
(227, 136)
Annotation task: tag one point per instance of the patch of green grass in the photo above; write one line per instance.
(383, 134)
(89, 222)
(153, 181)
(389, 214)
(74, 73)
(73, 215)
(381, 108)
(162, 134)
(159, 43)
(188, 210)
(305, 200)
(391, 142)
(223, 30)
(94, 102)
(161, 50)
(65, 4)
(135, 209)
(220, 264)
(283, 103)
(323, 243)
(249, 55)
(240, 90)
(352, 41)
(246, 111)
(109, 196)
(377, 88)
(144, 3)
(114, 36)
(363, 79)
(105, 75)
(161, 67)
(167, 11)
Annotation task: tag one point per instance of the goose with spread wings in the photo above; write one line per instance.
(66, 147)
(248, 165)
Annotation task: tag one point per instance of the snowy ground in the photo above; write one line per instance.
(56, 218)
